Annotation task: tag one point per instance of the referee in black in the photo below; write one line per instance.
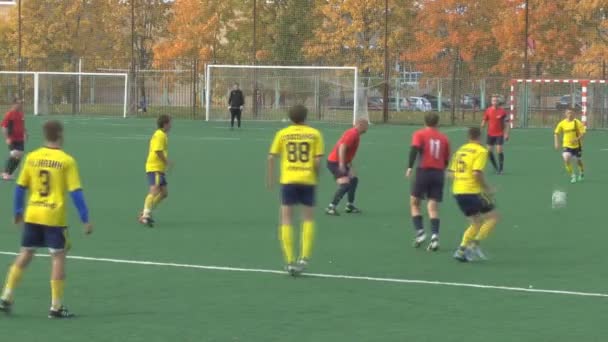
(236, 101)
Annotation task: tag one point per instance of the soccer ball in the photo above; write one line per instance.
(558, 199)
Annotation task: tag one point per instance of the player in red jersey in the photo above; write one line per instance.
(434, 150)
(13, 128)
(498, 132)
(339, 162)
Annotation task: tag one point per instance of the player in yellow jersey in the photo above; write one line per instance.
(48, 175)
(573, 132)
(472, 193)
(156, 168)
(300, 148)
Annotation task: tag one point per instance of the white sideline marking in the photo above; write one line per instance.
(334, 276)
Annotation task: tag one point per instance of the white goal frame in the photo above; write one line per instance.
(37, 83)
(282, 67)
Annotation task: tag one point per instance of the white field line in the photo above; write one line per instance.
(335, 276)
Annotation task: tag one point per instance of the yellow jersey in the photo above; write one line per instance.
(469, 158)
(158, 143)
(48, 174)
(298, 146)
(571, 130)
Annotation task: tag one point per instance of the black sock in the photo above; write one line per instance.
(342, 190)
(501, 160)
(352, 189)
(435, 226)
(7, 165)
(418, 226)
(493, 160)
(15, 165)
(232, 121)
(11, 165)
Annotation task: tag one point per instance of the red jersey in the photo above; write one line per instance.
(351, 139)
(434, 147)
(15, 125)
(495, 118)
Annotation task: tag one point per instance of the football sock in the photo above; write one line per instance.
(342, 190)
(568, 168)
(486, 229)
(501, 160)
(469, 235)
(157, 199)
(57, 293)
(286, 236)
(307, 238)
(581, 166)
(417, 221)
(148, 204)
(352, 189)
(435, 226)
(493, 160)
(11, 165)
(232, 121)
(12, 281)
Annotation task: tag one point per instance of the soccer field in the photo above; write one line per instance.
(210, 269)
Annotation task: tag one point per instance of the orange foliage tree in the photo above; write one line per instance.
(592, 19)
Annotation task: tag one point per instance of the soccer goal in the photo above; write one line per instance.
(542, 102)
(76, 93)
(331, 94)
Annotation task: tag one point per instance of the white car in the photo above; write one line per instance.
(420, 103)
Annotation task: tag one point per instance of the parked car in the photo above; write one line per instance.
(565, 102)
(420, 104)
(445, 104)
(403, 103)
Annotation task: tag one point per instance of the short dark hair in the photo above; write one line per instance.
(298, 114)
(474, 133)
(163, 120)
(431, 119)
(53, 131)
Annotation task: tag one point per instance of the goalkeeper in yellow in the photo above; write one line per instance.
(573, 132)
(300, 149)
(471, 192)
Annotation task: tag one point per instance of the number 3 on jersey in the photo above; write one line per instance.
(298, 152)
(45, 183)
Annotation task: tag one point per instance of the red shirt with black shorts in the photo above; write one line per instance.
(14, 123)
(434, 156)
(351, 139)
(496, 118)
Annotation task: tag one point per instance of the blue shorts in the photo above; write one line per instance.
(474, 204)
(334, 168)
(292, 194)
(39, 236)
(157, 178)
(575, 152)
(16, 146)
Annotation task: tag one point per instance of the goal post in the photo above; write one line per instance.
(331, 93)
(542, 102)
(87, 93)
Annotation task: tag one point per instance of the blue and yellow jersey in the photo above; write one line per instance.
(470, 158)
(298, 146)
(48, 174)
(158, 143)
(572, 131)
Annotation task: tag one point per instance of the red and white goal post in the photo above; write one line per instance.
(574, 87)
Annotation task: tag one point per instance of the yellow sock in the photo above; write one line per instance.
(156, 200)
(569, 168)
(148, 204)
(469, 235)
(12, 281)
(307, 239)
(581, 166)
(286, 236)
(486, 229)
(56, 293)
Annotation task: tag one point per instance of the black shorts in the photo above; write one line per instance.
(575, 152)
(334, 168)
(428, 183)
(474, 204)
(293, 194)
(235, 112)
(37, 236)
(493, 141)
(16, 146)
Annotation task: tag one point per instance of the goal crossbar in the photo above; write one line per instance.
(36, 75)
(277, 67)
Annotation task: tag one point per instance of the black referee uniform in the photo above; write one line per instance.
(236, 101)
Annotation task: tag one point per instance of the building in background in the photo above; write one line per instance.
(5, 6)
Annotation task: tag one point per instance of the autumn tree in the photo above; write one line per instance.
(591, 16)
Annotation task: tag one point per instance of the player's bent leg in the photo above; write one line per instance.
(417, 222)
(567, 156)
(581, 168)
(343, 187)
(501, 157)
(352, 189)
(13, 278)
(433, 210)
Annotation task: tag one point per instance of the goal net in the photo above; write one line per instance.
(331, 94)
(542, 102)
(57, 93)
